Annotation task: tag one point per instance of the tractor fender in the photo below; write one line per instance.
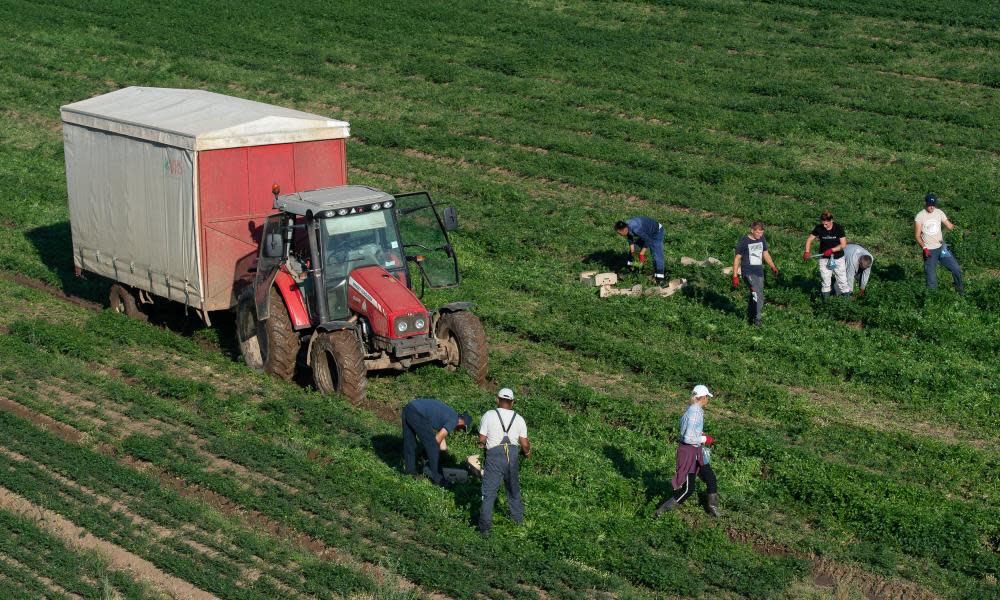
(324, 328)
(455, 307)
(289, 291)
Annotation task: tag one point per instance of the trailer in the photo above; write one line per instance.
(222, 203)
(168, 188)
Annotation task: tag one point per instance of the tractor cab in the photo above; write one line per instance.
(322, 236)
(341, 264)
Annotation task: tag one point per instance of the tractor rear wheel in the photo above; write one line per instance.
(122, 300)
(338, 364)
(270, 346)
(465, 340)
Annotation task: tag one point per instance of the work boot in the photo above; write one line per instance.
(825, 295)
(669, 505)
(712, 505)
(661, 280)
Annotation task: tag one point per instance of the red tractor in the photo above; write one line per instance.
(333, 276)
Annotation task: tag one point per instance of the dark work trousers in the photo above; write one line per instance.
(755, 299)
(947, 261)
(707, 475)
(501, 465)
(416, 425)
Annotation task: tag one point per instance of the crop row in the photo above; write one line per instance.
(788, 462)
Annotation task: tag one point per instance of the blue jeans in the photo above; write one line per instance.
(949, 262)
(656, 249)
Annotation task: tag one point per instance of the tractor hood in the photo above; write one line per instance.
(392, 309)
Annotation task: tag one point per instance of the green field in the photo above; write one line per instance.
(857, 444)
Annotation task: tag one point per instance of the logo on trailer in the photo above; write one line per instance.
(361, 290)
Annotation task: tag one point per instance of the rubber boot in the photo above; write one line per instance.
(712, 505)
(826, 295)
(667, 506)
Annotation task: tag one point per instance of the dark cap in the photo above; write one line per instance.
(930, 200)
(467, 419)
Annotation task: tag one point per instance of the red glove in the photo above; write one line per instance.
(642, 257)
(927, 253)
(861, 292)
(775, 271)
(805, 256)
(828, 253)
(708, 440)
(736, 281)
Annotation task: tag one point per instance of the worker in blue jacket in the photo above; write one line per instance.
(430, 421)
(644, 233)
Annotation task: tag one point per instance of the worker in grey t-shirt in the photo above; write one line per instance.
(751, 252)
(859, 266)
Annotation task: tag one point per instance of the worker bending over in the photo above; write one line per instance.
(859, 267)
(430, 421)
(644, 233)
(504, 434)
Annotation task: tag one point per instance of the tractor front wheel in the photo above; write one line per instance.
(338, 364)
(270, 346)
(122, 300)
(463, 337)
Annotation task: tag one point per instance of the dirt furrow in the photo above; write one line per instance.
(119, 558)
(52, 586)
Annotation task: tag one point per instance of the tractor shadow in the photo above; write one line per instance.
(714, 300)
(53, 243)
(657, 483)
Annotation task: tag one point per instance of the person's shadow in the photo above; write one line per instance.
(658, 484)
(606, 259)
(389, 449)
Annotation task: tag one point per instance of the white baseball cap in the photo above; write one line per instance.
(700, 390)
(505, 394)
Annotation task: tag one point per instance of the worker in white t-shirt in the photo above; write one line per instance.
(504, 434)
(928, 230)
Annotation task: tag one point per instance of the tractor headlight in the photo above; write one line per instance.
(376, 206)
(341, 211)
(387, 204)
(402, 326)
(419, 323)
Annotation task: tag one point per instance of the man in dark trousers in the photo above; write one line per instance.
(751, 252)
(504, 434)
(644, 233)
(431, 421)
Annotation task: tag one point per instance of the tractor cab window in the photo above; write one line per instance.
(359, 240)
(426, 241)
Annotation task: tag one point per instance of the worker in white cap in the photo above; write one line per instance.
(504, 434)
(693, 456)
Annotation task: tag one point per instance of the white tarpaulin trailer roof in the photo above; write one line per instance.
(199, 120)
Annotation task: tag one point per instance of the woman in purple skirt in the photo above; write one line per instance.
(693, 456)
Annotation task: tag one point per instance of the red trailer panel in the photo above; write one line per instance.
(234, 189)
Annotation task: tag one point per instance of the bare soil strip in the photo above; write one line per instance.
(224, 505)
(48, 583)
(119, 558)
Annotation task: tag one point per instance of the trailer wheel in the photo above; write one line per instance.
(122, 300)
(465, 341)
(270, 346)
(338, 364)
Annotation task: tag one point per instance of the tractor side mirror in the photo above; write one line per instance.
(450, 218)
(273, 245)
